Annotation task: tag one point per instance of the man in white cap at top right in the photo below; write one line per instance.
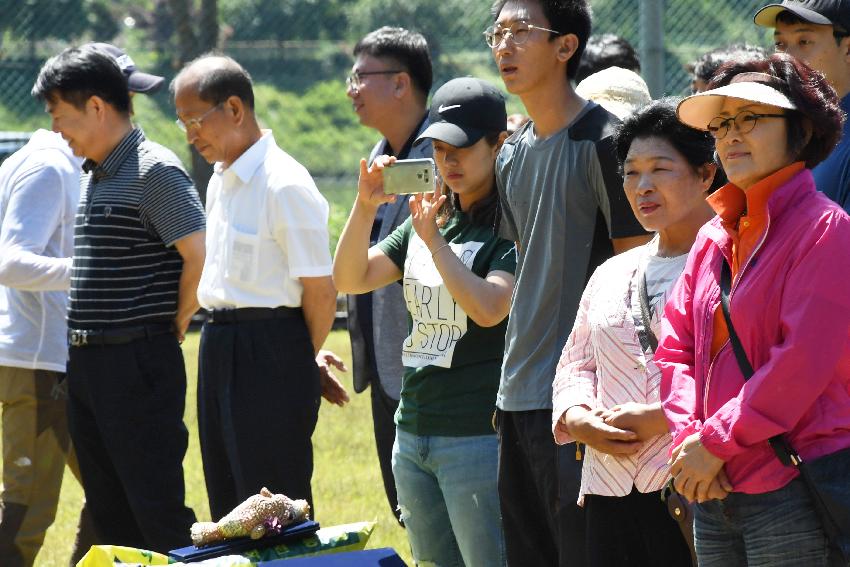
(818, 32)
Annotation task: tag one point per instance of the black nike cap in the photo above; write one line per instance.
(463, 110)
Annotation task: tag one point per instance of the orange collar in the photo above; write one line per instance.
(730, 202)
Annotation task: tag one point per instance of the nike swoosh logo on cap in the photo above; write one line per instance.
(442, 108)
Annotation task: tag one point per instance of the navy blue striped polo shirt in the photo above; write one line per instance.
(133, 207)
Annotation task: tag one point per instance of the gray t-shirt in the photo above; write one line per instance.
(562, 200)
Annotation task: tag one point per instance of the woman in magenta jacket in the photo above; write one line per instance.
(788, 248)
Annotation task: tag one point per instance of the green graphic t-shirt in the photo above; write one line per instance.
(452, 365)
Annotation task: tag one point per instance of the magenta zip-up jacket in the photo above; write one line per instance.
(790, 305)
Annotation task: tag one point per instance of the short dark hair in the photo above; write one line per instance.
(220, 82)
(790, 18)
(406, 48)
(707, 64)
(607, 50)
(816, 101)
(79, 73)
(567, 17)
(658, 120)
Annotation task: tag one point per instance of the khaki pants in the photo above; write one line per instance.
(36, 446)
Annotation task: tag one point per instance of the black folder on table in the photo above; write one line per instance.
(240, 545)
(384, 557)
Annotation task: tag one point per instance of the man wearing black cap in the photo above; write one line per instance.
(138, 255)
(818, 33)
(39, 190)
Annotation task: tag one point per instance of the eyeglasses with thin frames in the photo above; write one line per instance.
(354, 80)
(517, 31)
(193, 123)
(744, 122)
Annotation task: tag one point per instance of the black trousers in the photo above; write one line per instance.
(258, 404)
(538, 488)
(635, 530)
(125, 416)
(383, 418)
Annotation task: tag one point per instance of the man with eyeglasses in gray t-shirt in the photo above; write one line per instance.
(563, 203)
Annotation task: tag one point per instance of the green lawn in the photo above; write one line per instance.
(347, 483)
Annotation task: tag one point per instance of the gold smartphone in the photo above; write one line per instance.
(408, 176)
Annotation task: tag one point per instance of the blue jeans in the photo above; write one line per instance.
(775, 529)
(449, 500)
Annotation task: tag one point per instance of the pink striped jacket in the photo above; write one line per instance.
(603, 365)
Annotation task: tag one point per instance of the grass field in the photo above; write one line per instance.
(347, 483)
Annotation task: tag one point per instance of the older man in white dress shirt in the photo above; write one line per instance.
(268, 289)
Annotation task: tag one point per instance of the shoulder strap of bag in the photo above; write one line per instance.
(651, 339)
(737, 347)
(784, 452)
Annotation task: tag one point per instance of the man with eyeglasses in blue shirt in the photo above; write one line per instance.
(388, 87)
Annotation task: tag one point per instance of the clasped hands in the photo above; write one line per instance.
(621, 430)
(697, 474)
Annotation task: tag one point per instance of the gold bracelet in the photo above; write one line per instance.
(434, 253)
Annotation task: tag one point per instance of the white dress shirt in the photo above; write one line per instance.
(267, 226)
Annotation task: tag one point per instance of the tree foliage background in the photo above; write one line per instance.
(299, 51)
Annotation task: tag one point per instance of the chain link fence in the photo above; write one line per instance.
(296, 43)
(299, 51)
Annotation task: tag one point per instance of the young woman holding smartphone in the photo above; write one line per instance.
(458, 279)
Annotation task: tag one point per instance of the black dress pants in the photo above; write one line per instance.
(125, 416)
(635, 530)
(258, 404)
(538, 487)
(383, 418)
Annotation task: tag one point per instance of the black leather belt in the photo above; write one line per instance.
(252, 314)
(119, 336)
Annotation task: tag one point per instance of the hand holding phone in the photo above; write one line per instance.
(370, 185)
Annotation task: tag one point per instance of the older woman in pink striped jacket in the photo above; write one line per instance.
(606, 390)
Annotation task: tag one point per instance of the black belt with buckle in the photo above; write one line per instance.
(118, 336)
(252, 314)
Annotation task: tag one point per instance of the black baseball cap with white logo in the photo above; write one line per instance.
(463, 110)
(834, 13)
(137, 81)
